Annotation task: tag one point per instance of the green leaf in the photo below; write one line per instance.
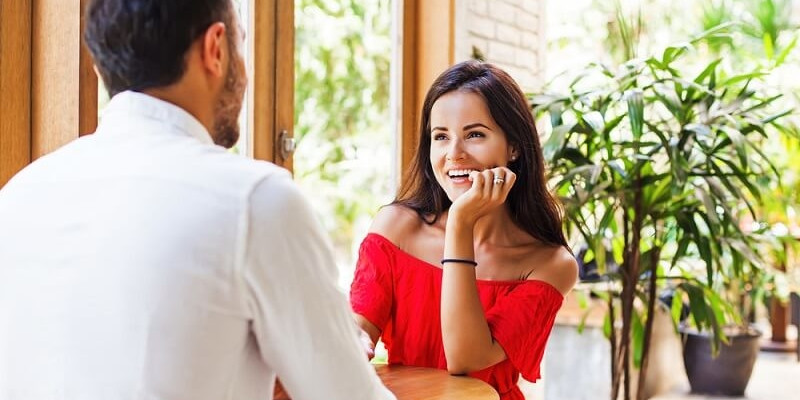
(661, 192)
(710, 68)
(600, 253)
(635, 101)
(595, 120)
(607, 326)
(683, 246)
(745, 251)
(741, 176)
(743, 77)
(704, 247)
(696, 305)
(676, 308)
(769, 51)
(774, 117)
(619, 167)
(582, 324)
(673, 52)
(583, 299)
(555, 141)
(720, 29)
(612, 124)
(709, 203)
(637, 338)
(701, 130)
(785, 52)
(575, 156)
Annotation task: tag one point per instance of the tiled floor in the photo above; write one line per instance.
(776, 376)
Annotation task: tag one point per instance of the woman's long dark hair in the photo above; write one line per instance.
(533, 208)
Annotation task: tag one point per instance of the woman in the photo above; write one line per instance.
(466, 269)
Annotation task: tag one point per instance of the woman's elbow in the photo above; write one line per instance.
(463, 366)
(472, 358)
(457, 369)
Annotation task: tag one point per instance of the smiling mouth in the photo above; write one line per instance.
(459, 173)
(460, 176)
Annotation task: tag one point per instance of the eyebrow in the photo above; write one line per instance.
(466, 127)
(475, 125)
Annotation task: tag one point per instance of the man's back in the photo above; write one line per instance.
(143, 262)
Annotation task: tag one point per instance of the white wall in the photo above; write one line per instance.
(509, 33)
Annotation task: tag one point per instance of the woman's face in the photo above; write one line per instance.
(464, 138)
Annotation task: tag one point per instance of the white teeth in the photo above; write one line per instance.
(459, 172)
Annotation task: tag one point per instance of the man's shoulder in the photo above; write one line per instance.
(236, 164)
(238, 172)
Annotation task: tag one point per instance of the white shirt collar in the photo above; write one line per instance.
(135, 105)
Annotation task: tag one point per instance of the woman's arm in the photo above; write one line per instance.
(468, 342)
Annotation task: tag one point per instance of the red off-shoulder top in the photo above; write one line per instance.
(400, 294)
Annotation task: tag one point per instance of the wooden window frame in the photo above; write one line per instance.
(63, 82)
(15, 87)
(48, 86)
(270, 98)
(428, 48)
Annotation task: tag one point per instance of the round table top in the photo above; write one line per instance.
(417, 383)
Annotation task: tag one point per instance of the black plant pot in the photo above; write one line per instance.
(728, 373)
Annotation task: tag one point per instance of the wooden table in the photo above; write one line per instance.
(417, 383)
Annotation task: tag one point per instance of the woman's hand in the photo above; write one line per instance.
(489, 190)
(367, 344)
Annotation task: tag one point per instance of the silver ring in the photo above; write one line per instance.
(498, 179)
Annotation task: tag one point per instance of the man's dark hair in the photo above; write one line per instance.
(142, 44)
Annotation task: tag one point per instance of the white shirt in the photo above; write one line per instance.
(145, 262)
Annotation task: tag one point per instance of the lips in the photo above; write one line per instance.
(460, 177)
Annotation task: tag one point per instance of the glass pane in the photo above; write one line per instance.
(344, 155)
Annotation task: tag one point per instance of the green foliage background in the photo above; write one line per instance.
(342, 122)
(759, 35)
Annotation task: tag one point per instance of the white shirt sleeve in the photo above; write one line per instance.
(301, 321)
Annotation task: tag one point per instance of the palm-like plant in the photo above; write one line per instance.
(661, 165)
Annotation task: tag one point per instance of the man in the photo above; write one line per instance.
(147, 262)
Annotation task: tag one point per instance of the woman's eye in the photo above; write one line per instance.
(439, 136)
(475, 134)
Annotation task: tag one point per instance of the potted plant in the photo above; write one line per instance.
(722, 364)
(655, 166)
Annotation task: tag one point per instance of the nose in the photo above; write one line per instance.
(455, 151)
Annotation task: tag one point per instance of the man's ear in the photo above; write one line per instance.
(213, 49)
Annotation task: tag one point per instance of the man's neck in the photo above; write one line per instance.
(183, 98)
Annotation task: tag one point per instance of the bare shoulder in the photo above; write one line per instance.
(559, 268)
(396, 223)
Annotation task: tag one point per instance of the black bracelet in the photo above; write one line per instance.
(459, 260)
